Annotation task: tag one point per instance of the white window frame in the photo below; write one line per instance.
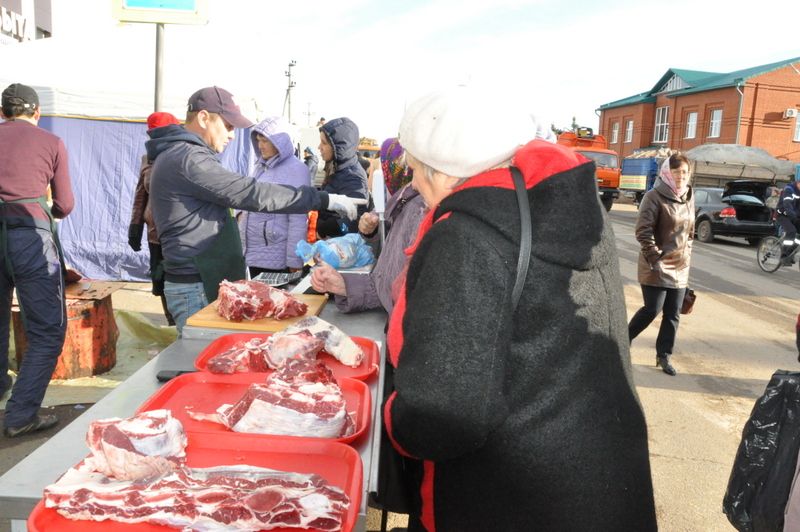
(796, 137)
(661, 129)
(691, 125)
(614, 132)
(715, 123)
(628, 131)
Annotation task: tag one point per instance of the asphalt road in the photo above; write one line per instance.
(740, 332)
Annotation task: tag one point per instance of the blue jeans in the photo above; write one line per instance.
(183, 300)
(40, 290)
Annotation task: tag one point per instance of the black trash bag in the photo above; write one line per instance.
(764, 467)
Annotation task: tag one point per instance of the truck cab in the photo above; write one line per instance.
(595, 147)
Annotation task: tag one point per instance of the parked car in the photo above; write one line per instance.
(740, 209)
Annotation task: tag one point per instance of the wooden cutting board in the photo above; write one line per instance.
(208, 317)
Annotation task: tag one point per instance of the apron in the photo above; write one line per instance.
(42, 201)
(223, 259)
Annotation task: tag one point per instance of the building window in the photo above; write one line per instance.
(796, 129)
(628, 130)
(614, 132)
(691, 125)
(715, 124)
(662, 125)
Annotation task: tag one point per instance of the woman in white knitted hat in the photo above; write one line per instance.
(520, 416)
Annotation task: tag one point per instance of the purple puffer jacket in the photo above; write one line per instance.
(404, 210)
(268, 239)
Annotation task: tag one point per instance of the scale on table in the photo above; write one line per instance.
(278, 278)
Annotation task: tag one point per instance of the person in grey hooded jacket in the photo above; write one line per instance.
(192, 193)
(269, 239)
(343, 173)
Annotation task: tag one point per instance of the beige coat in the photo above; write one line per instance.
(665, 230)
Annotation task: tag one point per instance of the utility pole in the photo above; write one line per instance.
(288, 100)
(158, 103)
(308, 114)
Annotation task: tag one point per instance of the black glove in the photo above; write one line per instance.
(135, 236)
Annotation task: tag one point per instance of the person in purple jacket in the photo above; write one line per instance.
(269, 239)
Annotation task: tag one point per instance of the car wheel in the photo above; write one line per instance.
(704, 231)
(607, 203)
(753, 240)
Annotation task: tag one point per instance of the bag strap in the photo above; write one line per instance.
(525, 235)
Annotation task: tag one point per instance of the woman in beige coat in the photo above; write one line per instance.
(665, 230)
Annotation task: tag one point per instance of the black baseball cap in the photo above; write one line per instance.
(17, 93)
(217, 100)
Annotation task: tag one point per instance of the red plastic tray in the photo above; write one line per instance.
(205, 392)
(362, 372)
(337, 463)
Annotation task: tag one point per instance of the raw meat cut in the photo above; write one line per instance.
(252, 300)
(261, 355)
(279, 348)
(337, 343)
(302, 398)
(144, 446)
(219, 498)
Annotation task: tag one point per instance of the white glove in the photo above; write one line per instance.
(345, 205)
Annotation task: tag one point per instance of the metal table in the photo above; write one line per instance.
(22, 486)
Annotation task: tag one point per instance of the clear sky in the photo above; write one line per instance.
(365, 59)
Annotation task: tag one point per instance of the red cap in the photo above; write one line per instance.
(160, 119)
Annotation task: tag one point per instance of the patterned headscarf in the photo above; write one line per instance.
(666, 177)
(395, 171)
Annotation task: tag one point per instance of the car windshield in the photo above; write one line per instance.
(605, 160)
(714, 196)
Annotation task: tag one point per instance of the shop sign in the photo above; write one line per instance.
(17, 26)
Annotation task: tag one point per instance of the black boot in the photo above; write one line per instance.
(663, 361)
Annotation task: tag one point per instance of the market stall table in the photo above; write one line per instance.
(22, 486)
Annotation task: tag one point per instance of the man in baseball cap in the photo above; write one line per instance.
(32, 161)
(191, 195)
(219, 101)
(21, 95)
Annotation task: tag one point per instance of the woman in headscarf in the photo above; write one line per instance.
(665, 230)
(518, 417)
(404, 210)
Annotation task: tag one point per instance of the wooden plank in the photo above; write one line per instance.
(208, 317)
(86, 289)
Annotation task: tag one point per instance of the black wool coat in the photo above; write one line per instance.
(525, 420)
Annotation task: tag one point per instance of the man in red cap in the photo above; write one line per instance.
(141, 212)
(31, 160)
(191, 195)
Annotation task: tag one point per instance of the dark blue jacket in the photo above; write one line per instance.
(789, 203)
(191, 192)
(349, 178)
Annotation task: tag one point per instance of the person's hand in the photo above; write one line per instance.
(345, 205)
(368, 223)
(324, 278)
(135, 236)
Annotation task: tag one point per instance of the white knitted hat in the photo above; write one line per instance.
(464, 131)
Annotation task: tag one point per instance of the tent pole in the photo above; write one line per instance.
(157, 105)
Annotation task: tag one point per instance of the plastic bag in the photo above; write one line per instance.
(348, 251)
(764, 467)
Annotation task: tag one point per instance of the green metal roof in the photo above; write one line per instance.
(699, 81)
(644, 97)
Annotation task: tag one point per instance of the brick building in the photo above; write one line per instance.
(758, 106)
